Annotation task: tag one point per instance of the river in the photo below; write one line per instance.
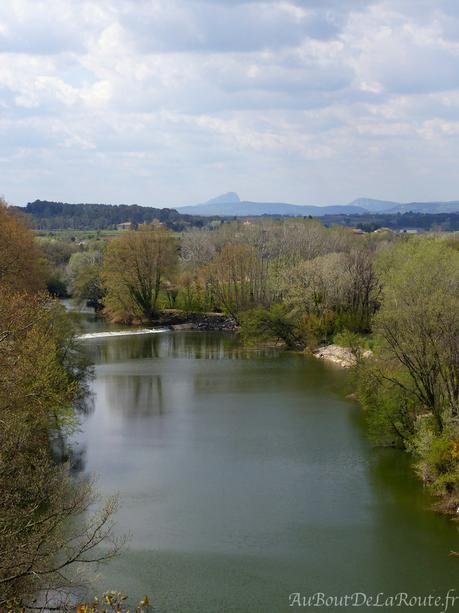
(246, 476)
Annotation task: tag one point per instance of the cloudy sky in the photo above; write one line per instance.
(170, 102)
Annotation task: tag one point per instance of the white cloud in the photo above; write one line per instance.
(172, 101)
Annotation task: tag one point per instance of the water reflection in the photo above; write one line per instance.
(117, 350)
(243, 477)
(134, 396)
(78, 459)
(187, 345)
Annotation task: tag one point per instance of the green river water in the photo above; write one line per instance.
(246, 476)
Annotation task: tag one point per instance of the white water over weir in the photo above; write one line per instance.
(90, 335)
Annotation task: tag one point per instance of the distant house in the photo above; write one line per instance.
(411, 230)
(126, 225)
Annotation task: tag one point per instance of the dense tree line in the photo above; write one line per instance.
(445, 222)
(45, 215)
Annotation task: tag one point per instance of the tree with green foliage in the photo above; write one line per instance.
(237, 277)
(46, 523)
(364, 288)
(85, 278)
(411, 388)
(57, 253)
(273, 324)
(22, 263)
(419, 323)
(316, 291)
(136, 266)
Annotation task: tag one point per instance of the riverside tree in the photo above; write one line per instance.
(46, 527)
(419, 322)
(411, 388)
(136, 266)
(57, 256)
(21, 260)
(84, 275)
(238, 279)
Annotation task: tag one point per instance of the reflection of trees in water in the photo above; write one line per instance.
(211, 346)
(78, 459)
(402, 512)
(84, 404)
(63, 450)
(135, 396)
(271, 371)
(194, 345)
(392, 474)
(121, 349)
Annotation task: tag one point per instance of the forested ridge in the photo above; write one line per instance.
(45, 215)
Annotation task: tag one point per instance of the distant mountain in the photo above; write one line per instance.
(230, 205)
(228, 198)
(375, 206)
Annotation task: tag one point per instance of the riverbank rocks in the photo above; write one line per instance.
(341, 356)
(187, 326)
(181, 320)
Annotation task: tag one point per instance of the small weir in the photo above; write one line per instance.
(89, 335)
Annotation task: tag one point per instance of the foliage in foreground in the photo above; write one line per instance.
(114, 602)
(48, 521)
(110, 602)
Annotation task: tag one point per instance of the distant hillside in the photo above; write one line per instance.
(375, 206)
(230, 205)
(47, 215)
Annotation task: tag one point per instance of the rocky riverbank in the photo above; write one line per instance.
(181, 320)
(341, 356)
